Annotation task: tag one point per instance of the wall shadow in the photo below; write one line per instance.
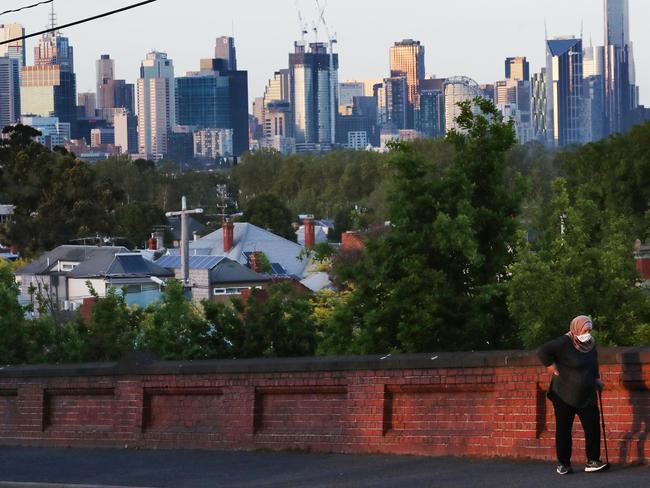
(633, 445)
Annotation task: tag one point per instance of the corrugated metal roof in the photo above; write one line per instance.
(78, 254)
(130, 264)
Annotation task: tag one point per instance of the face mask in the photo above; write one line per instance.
(584, 337)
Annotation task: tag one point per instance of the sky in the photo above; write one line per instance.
(461, 37)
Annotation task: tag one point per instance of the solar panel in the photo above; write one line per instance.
(278, 269)
(196, 262)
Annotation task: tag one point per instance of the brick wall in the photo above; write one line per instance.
(471, 404)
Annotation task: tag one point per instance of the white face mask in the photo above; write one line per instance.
(584, 337)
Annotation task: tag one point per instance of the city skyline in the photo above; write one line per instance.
(186, 37)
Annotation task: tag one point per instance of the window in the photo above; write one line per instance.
(233, 290)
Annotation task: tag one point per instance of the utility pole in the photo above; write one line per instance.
(185, 243)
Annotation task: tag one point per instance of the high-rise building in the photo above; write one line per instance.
(213, 143)
(15, 49)
(313, 81)
(407, 59)
(105, 68)
(517, 68)
(593, 60)
(53, 132)
(621, 94)
(49, 88)
(392, 103)
(125, 125)
(539, 91)
(87, 104)
(565, 104)
(215, 98)
(156, 108)
(458, 89)
(432, 113)
(9, 91)
(347, 91)
(225, 49)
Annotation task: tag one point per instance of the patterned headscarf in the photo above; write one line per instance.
(576, 329)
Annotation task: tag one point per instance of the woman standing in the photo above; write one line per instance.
(573, 361)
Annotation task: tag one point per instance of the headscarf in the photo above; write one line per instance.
(575, 330)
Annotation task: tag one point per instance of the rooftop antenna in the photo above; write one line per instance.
(52, 17)
(545, 31)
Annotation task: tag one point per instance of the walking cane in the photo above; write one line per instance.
(602, 422)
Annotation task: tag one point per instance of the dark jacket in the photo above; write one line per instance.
(576, 384)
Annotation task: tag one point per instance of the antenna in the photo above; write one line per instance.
(52, 16)
(545, 31)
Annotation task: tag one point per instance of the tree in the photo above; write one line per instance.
(268, 212)
(581, 264)
(12, 318)
(277, 323)
(437, 279)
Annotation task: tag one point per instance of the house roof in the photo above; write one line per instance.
(73, 253)
(249, 238)
(119, 265)
(7, 209)
(193, 225)
(221, 269)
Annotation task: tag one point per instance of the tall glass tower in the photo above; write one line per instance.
(621, 94)
(156, 108)
(407, 59)
(565, 104)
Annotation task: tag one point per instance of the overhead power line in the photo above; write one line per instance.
(77, 22)
(26, 7)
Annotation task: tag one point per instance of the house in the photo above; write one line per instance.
(140, 279)
(49, 273)
(238, 241)
(215, 278)
(194, 228)
(6, 212)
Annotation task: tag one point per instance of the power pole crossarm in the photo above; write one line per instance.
(185, 243)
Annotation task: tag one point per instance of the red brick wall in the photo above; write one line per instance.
(473, 404)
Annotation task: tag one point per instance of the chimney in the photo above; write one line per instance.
(195, 236)
(160, 239)
(228, 235)
(152, 243)
(310, 234)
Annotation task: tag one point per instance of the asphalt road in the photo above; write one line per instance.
(28, 467)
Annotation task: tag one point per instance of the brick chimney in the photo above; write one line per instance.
(152, 243)
(228, 235)
(351, 240)
(310, 231)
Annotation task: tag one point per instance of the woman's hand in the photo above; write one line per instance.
(552, 369)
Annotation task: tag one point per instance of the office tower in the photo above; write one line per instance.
(105, 67)
(513, 98)
(156, 108)
(347, 91)
(215, 98)
(116, 94)
(359, 129)
(53, 132)
(313, 77)
(407, 59)
(49, 88)
(87, 103)
(213, 143)
(565, 104)
(16, 49)
(517, 68)
(277, 119)
(125, 125)
(593, 61)
(594, 107)
(432, 113)
(621, 94)
(539, 90)
(458, 89)
(101, 136)
(225, 49)
(392, 103)
(9, 91)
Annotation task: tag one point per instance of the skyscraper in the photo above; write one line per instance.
(215, 98)
(312, 98)
(9, 91)
(539, 90)
(621, 95)
(225, 49)
(407, 59)
(15, 49)
(105, 67)
(458, 89)
(49, 88)
(156, 108)
(392, 103)
(565, 103)
(517, 68)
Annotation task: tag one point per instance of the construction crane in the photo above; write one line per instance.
(331, 41)
(302, 24)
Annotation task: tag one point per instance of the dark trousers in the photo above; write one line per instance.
(564, 417)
